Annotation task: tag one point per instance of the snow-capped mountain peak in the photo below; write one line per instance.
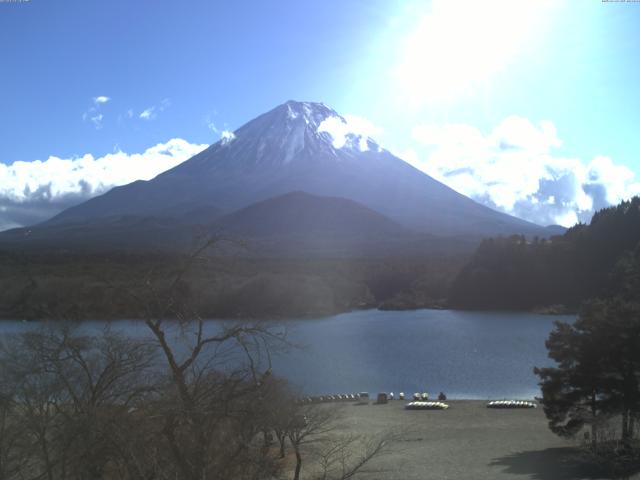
(308, 147)
(284, 133)
(311, 113)
(281, 135)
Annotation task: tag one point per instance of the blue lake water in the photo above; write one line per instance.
(475, 355)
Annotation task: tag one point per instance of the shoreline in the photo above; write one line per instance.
(542, 311)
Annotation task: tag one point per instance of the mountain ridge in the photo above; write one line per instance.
(291, 148)
(302, 213)
(293, 225)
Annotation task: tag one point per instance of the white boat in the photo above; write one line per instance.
(426, 406)
(511, 404)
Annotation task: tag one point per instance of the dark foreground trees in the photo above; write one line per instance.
(596, 383)
(181, 399)
(82, 404)
(177, 398)
(517, 273)
(68, 402)
(100, 405)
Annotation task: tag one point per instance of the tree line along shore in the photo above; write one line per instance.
(515, 273)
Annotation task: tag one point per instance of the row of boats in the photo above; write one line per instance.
(511, 404)
(364, 396)
(420, 400)
(343, 397)
(354, 397)
(425, 405)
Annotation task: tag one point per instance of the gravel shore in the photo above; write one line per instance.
(468, 441)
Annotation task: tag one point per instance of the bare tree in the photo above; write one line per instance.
(191, 400)
(215, 390)
(317, 431)
(310, 424)
(70, 390)
(211, 408)
(11, 460)
(349, 455)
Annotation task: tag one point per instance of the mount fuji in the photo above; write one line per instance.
(300, 147)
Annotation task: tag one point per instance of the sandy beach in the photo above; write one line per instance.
(468, 441)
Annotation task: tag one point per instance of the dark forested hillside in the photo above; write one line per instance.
(516, 273)
(66, 285)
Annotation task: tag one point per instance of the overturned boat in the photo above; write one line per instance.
(419, 405)
(511, 404)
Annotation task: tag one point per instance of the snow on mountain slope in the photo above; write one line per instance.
(303, 146)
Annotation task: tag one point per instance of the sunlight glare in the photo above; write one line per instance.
(458, 44)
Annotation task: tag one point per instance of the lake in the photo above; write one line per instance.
(473, 355)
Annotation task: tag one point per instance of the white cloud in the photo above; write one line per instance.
(519, 132)
(97, 120)
(151, 113)
(337, 128)
(148, 114)
(216, 127)
(94, 117)
(347, 130)
(362, 126)
(567, 218)
(101, 99)
(93, 113)
(226, 137)
(34, 191)
(514, 170)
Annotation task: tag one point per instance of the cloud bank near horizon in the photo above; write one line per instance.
(514, 169)
(31, 192)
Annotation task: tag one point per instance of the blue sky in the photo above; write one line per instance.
(447, 88)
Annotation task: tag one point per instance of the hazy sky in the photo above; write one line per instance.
(530, 107)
